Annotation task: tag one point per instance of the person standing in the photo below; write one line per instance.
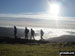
(32, 34)
(26, 33)
(41, 34)
(15, 32)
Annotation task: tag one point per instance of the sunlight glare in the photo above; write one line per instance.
(54, 9)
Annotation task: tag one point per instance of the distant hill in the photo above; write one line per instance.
(9, 32)
(61, 39)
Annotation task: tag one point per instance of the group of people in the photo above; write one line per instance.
(26, 32)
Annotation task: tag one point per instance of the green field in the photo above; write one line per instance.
(33, 50)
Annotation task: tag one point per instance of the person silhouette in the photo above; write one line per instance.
(32, 34)
(41, 34)
(15, 32)
(26, 33)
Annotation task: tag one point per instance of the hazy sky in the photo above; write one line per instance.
(33, 11)
(35, 6)
(22, 6)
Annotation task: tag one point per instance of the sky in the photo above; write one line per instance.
(32, 12)
(22, 6)
(35, 6)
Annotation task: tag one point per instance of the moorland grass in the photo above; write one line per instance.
(32, 50)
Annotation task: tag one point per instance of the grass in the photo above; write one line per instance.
(32, 50)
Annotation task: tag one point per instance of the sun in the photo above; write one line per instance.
(54, 9)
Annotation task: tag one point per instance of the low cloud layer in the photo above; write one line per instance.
(35, 16)
(36, 20)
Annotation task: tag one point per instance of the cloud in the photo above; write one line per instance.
(39, 19)
(36, 16)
